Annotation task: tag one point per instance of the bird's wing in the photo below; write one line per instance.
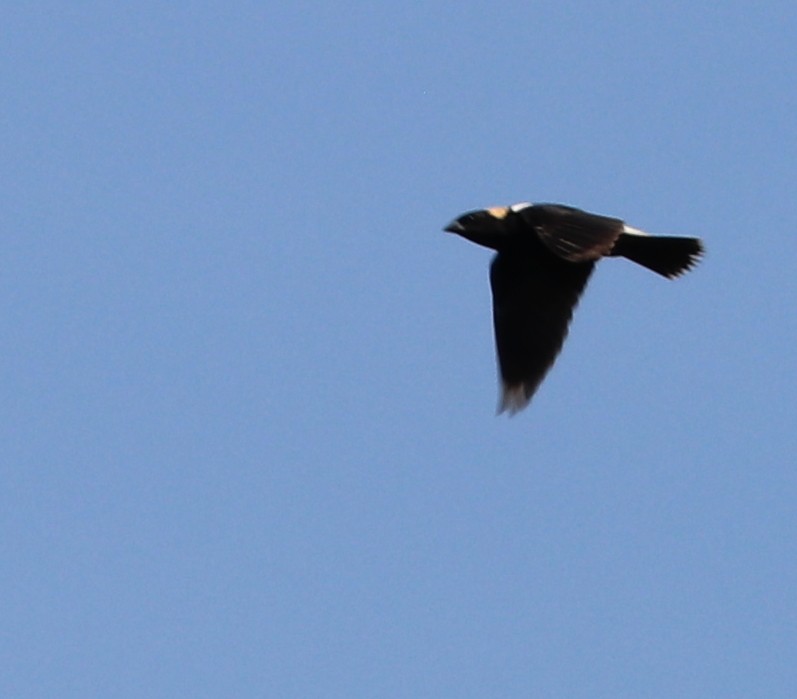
(575, 235)
(533, 302)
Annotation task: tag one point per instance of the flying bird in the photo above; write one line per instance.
(546, 253)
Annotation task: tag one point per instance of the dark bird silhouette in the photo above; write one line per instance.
(546, 253)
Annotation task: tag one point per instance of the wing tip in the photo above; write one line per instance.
(514, 397)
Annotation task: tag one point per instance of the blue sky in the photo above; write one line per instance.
(248, 435)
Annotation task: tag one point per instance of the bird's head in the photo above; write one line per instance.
(487, 227)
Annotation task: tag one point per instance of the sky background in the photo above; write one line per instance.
(248, 443)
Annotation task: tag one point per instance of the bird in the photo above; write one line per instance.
(545, 256)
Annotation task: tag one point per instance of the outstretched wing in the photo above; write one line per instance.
(533, 301)
(573, 234)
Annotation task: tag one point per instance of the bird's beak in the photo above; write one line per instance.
(454, 227)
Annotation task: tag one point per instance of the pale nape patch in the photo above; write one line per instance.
(501, 212)
(498, 212)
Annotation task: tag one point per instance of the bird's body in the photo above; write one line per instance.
(546, 253)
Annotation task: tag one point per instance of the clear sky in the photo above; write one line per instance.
(248, 443)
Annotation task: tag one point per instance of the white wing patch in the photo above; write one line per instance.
(630, 230)
(519, 207)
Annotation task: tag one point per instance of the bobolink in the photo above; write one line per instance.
(546, 253)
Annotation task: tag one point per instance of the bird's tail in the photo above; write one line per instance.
(668, 256)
